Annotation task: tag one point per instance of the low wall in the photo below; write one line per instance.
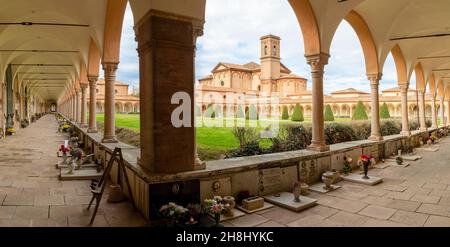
(231, 176)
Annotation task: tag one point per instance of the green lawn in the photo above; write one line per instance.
(129, 121)
(215, 137)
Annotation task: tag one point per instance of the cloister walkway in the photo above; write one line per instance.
(31, 193)
(418, 195)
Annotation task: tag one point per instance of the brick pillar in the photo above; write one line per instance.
(422, 122)
(78, 107)
(433, 111)
(166, 55)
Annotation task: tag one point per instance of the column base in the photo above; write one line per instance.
(92, 131)
(109, 139)
(84, 126)
(199, 165)
(406, 133)
(318, 147)
(375, 138)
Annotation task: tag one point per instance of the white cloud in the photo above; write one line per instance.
(231, 34)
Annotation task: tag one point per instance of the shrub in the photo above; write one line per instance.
(328, 115)
(388, 128)
(337, 133)
(291, 138)
(240, 112)
(297, 115)
(360, 112)
(285, 114)
(384, 111)
(248, 139)
(197, 111)
(252, 113)
(361, 129)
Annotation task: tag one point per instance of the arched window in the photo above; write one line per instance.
(265, 50)
(274, 50)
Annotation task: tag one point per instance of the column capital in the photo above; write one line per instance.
(317, 61)
(92, 78)
(374, 78)
(110, 67)
(83, 87)
(403, 88)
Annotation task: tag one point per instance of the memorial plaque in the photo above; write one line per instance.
(270, 181)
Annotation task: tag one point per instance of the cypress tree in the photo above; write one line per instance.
(384, 111)
(252, 113)
(285, 114)
(297, 115)
(328, 114)
(360, 112)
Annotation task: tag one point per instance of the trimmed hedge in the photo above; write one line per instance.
(252, 113)
(384, 111)
(297, 115)
(285, 114)
(360, 112)
(328, 114)
(240, 112)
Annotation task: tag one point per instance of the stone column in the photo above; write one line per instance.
(78, 106)
(317, 63)
(447, 121)
(109, 134)
(83, 106)
(405, 120)
(375, 108)
(433, 111)
(92, 104)
(166, 57)
(442, 112)
(423, 125)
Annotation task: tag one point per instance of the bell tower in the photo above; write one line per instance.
(270, 63)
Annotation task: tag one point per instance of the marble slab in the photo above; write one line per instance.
(84, 174)
(428, 149)
(411, 157)
(266, 206)
(286, 200)
(59, 166)
(320, 188)
(236, 214)
(381, 165)
(357, 178)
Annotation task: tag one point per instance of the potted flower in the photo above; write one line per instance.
(215, 207)
(173, 212)
(63, 149)
(364, 161)
(10, 131)
(347, 165)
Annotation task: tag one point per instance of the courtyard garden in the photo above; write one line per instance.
(219, 138)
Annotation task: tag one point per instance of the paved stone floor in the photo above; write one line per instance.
(31, 193)
(418, 195)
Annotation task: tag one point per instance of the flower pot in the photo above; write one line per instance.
(327, 179)
(297, 191)
(217, 219)
(304, 188)
(231, 201)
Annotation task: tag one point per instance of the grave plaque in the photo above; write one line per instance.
(270, 181)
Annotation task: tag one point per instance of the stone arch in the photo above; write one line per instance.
(367, 42)
(118, 106)
(345, 111)
(336, 110)
(308, 111)
(420, 78)
(428, 110)
(136, 107)
(115, 13)
(400, 65)
(308, 24)
(93, 68)
(128, 107)
(100, 107)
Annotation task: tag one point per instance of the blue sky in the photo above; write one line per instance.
(232, 32)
